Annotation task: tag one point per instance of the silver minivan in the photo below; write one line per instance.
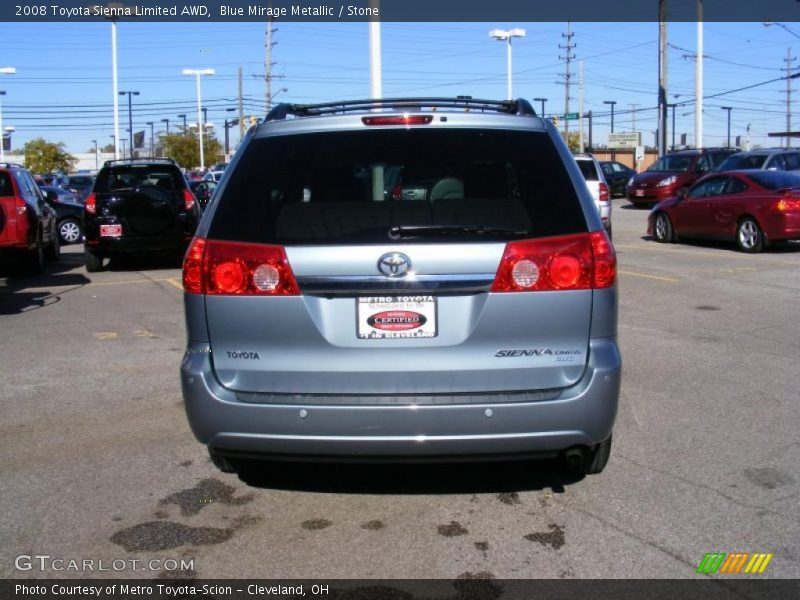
(415, 279)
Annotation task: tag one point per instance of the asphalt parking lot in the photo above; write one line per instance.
(97, 460)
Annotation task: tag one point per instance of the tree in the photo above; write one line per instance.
(108, 148)
(573, 141)
(185, 149)
(42, 156)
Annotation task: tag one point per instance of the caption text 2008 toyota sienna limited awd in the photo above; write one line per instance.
(416, 279)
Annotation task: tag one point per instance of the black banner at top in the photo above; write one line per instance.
(397, 10)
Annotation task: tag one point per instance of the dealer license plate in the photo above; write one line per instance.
(640, 193)
(110, 230)
(384, 317)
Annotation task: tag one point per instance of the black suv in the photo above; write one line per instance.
(138, 207)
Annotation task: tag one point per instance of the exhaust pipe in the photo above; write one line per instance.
(574, 457)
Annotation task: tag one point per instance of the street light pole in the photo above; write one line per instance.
(505, 35)
(152, 141)
(672, 106)
(184, 122)
(611, 103)
(729, 109)
(130, 115)
(115, 86)
(167, 122)
(542, 100)
(200, 123)
(96, 165)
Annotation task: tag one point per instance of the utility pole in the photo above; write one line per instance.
(268, 66)
(241, 107)
(789, 59)
(567, 58)
(698, 80)
(662, 78)
(633, 117)
(591, 145)
(580, 106)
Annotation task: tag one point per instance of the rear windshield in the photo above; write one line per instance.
(354, 187)
(775, 180)
(80, 180)
(672, 164)
(743, 161)
(6, 189)
(588, 169)
(133, 176)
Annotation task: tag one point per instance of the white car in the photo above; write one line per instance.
(214, 176)
(596, 182)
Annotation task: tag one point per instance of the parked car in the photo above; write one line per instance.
(203, 191)
(69, 213)
(769, 159)
(27, 221)
(141, 206)
(214, 176)
(752, 208)
(82, 184)
(596, 182)
(672, 173)
(471, 312)
(617, 176)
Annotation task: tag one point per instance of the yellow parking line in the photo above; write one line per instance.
(174, 281)
(644, 276)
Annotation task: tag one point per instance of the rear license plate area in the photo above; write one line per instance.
(110, 230)
(393, 317)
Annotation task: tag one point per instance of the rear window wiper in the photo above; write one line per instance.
(397, 233)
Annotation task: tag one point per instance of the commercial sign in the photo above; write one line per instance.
(629, 139)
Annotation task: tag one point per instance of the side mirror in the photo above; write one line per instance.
(51, 197)
(683, 193)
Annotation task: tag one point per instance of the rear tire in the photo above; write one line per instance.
(598, 457)
(94, 263)
(34, 261)
(53, 251)
(662, 228)
(222, 463)
(749, 237)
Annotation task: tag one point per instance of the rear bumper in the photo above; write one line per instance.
(123, 245)
(650, 195)
(582, 414)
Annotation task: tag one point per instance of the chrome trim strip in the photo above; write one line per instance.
(462, 282)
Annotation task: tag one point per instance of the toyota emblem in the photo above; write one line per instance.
(394, 264)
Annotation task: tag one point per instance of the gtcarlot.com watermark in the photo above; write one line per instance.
(45, 562)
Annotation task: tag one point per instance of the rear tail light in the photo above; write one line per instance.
(19, 203)
(398, 120)
(603, 192)
(787, 204)
(237, 269)
(188, 200)
(91, 204)
(570, 262)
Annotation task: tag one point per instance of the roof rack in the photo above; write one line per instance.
(8, 165)
(520, 106)
(167, 161)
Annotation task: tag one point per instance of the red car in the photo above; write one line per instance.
(28, 223)
(672, 173)
(751, 207)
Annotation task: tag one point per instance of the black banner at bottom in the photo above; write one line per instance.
(474, 587)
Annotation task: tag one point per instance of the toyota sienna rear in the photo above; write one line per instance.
(416, 279)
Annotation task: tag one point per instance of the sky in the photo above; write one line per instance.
(62, 90)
